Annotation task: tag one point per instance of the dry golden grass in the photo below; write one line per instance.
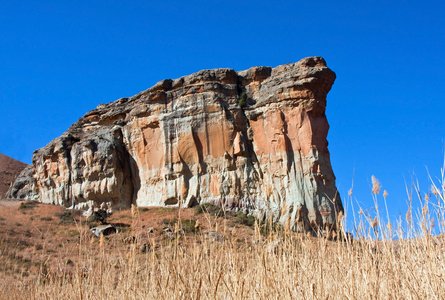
(383, 261)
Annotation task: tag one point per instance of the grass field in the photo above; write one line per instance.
(49, 253)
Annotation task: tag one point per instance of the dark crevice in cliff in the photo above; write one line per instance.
(187, 175)
(68, 143)
(131, 171)
(207, 140)
(225, 107)
(245, 126)
(198, 144)
(168, 150)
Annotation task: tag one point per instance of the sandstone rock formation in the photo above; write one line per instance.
(9, 170)
(253, 140)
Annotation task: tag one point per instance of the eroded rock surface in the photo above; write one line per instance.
(253, 140)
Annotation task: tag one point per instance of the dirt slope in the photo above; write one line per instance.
(38, 238)
(9, 170)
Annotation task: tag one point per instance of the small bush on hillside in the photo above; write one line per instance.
(267, 228)
(243, 219)
(72, 233)
(122, 227)
(99, 216)
(169, 222)
(167, 209)
(28, 205)
(210, 209)
(189, 226)
(67, 217)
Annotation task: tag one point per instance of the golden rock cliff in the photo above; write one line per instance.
(253, 140)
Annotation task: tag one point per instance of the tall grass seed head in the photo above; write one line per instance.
(375, 222)
(408, 215)
(425, 210)
(340, 217)
(375, 185)
(434, 190)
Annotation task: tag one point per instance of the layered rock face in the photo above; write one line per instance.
(253, 140)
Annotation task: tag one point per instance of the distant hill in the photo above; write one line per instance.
(9, 170)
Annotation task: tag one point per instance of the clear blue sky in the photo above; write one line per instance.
(60, 59)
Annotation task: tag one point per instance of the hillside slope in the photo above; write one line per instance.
(9, 170)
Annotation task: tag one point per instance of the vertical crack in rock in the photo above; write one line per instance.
(253, 140)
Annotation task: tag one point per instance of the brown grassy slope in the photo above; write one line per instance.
(44, 254)
(38, 238)
(9, 170)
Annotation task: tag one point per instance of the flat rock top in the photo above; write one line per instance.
(9, 170)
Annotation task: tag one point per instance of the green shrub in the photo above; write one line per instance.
(189, 226)
(28, 205)
(267, 227)
(243, 219)
(210, 209)
(242, 102)
(122, 228)
(99, 216)
(66, 218)
(169, 222)
(72, 233)
(167, 209)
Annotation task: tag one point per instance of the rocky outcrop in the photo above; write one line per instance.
(9, 170)
(253, 140)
